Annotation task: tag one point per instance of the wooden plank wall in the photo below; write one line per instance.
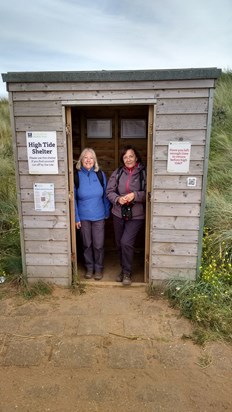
(176, 207)
(46, 239)
(182, 109)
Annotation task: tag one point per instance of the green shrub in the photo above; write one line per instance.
(208, 305)
(216, 266)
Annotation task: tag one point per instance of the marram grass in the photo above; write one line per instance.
(10, 253)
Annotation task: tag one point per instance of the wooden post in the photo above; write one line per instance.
(71, 193)
(148, 192)
(116, 139)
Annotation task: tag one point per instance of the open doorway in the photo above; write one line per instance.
(121, 125)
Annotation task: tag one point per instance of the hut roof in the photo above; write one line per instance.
(111, 75)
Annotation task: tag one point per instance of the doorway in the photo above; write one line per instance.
(106, 129)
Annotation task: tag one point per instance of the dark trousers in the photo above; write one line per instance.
(125, 237)
(93, 234)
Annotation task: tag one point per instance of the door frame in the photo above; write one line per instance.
(149, 185)
(151, 103)
(68, 130)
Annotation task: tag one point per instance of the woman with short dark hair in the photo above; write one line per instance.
(126, 190)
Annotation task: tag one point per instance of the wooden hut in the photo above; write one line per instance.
(166, 114)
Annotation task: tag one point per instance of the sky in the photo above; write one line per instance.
(73, 35)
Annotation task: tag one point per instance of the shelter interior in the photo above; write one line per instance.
(117, 126)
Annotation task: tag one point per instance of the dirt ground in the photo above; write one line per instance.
(110, 349)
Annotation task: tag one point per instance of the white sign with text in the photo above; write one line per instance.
(179, 157)
(44, 197)
(42, 153)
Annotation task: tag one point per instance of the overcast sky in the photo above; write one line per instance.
(72, 35)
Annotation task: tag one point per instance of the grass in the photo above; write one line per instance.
(10, 252)
(155, 290)
(205, 361)
(207, 304)
(38, 289)
(218, 216)
(78, 288)
(18, 286)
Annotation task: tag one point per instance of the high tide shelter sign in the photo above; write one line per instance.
(42, 152)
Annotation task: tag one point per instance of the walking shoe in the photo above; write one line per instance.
(98, 276)
(126, 279)
(119, 278)
(89, 274)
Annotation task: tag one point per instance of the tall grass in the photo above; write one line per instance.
(10, 254)
(218, 217)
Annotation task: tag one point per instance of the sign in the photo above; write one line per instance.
(42, 153)
(179, 157)
(99, 128)
(133, 128)
(44, 197)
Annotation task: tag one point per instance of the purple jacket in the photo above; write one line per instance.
(129, 182)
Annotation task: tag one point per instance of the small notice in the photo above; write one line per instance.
(191, 181)
(44, 197)
(179, 157)
(42, 152)
(133, 128)
(99, 128)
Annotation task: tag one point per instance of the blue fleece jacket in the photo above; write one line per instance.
(90, 197)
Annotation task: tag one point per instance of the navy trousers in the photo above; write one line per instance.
(93, 235)
(125, 237)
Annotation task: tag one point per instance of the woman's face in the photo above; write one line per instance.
(129, 158)
(88, 161)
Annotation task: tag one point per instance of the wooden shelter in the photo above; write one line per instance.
(166, 114)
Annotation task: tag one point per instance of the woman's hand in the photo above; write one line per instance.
(127, 198)
(78, 225)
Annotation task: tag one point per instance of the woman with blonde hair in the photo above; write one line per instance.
(91, 209)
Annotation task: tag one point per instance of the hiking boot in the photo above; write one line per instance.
(89, 274)
(126, 279)
(98, 275)
(119, 278)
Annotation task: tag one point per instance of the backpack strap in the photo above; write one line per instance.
(98, 173)
(118, 175)
(142, 176)
(100, 177)
(76, 179)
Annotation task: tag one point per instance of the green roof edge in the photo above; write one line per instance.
(111, 75)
